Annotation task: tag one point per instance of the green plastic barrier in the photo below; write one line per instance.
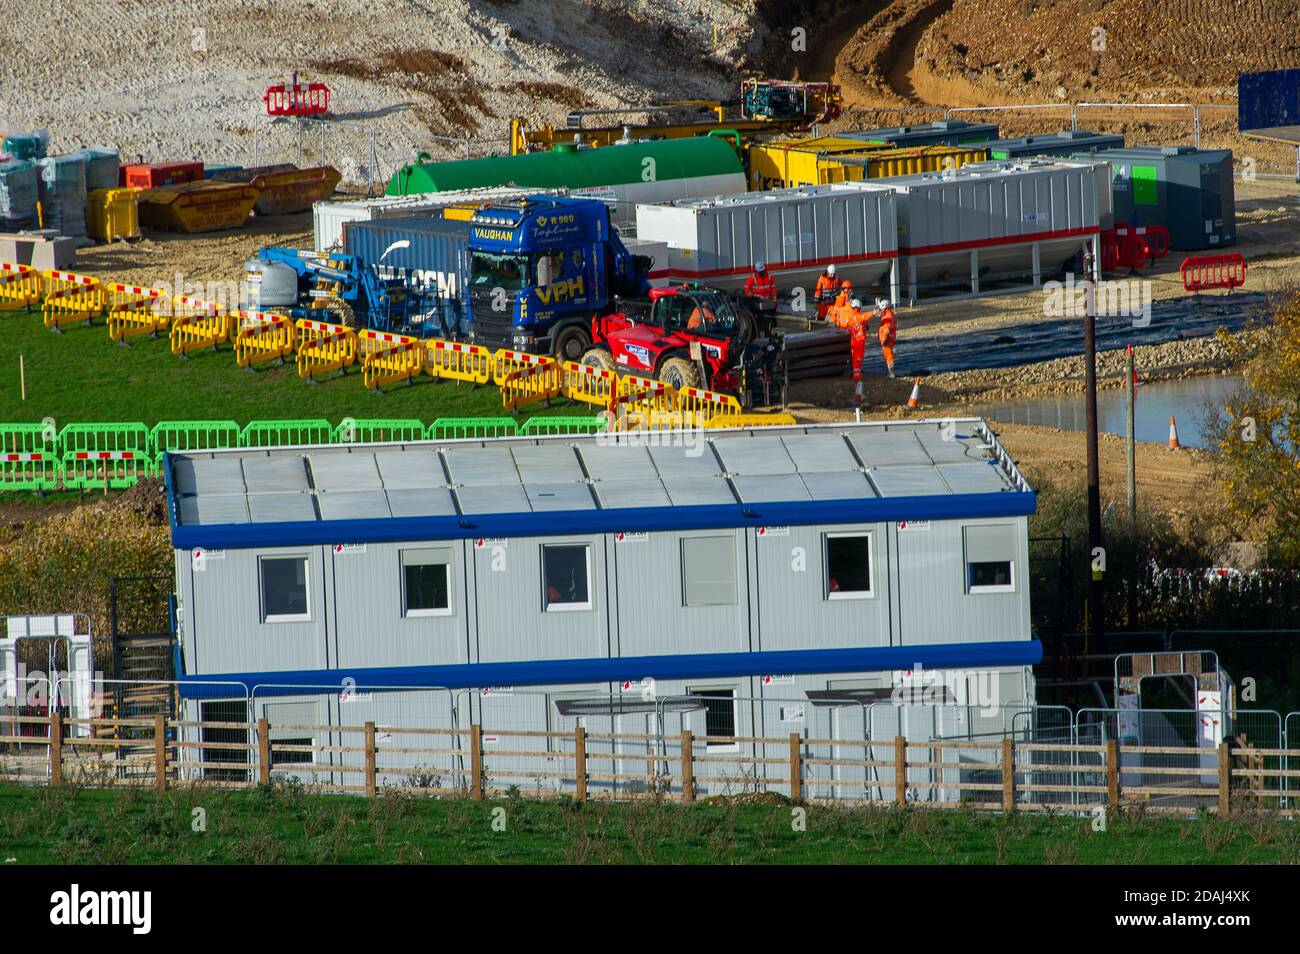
(286, 433)
(29, 456)
(559, 424)
(190, 436)
(372, 430)
(452, 428)
(105, 455)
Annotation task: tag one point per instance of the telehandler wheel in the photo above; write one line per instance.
(599, 358)
(680, 373)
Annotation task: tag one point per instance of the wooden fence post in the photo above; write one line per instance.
(796, 767)
(371, 787)
(56, 747)
(688, 768)
(1008, 776)
(264, 751)
(1112, 774)
(900, 770)
(160, 752)
(476, 762)
(1225, 779)
(580, 762)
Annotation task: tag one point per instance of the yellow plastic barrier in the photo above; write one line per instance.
(597, 386)
(263, 336)
(20, 286)
(751, 420)
(701, 405)
(134, 311)
(197, 324)
(387, 358)
(458, 361)
(504, 361)
(323, 347)
(70, 297)
(643, 402)
(532, 383)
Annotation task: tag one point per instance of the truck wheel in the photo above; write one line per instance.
(680, 373)
(571, 342)
(599, 358)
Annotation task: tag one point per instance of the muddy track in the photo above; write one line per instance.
(898, 59)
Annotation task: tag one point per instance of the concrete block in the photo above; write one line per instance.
(38, 251)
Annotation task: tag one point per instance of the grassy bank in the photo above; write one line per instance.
(288, 825)
(81, 375)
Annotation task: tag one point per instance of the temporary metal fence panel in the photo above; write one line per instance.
(24, 729)
(286, 433)
(29, 457)
(173, 436)
(104, 455)
(456, 428)
(376, 430)
(548, 424)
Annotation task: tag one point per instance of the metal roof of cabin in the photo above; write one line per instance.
(539, 486)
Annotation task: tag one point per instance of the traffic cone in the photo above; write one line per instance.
(1173, 433)
(915, 399)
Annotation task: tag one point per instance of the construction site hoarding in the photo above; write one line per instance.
(795, 232)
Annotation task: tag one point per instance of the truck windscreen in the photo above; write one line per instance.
(510, 272)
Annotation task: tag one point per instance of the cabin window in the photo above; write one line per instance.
(709, 571)
(719, 717)
(566, 577)
(284, 589)
(990, 559)
(426, 582)
(847, 559)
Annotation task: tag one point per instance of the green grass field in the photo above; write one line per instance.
(82, 376)
(71, 825)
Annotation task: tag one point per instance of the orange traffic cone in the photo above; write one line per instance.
(915, 399)
(1173, 433)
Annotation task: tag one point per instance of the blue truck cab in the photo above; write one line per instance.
(541, 268)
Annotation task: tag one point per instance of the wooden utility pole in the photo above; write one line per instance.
(1130, 392)
(1096, 614)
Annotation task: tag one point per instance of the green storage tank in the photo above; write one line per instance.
(655, 171)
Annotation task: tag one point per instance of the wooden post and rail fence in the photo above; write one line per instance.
(1001, 775)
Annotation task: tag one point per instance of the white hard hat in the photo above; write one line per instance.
(856, 303)
(881, 303)
(760, 267)
(830, 270)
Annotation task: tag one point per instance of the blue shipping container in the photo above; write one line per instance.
(1268, 104)
(427, 254)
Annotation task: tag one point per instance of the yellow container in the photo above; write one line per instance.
(828, 160)
(795, 162)
(197, 206)
(113, 214)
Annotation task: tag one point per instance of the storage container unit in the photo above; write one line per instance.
(197, 206)
(161, 174)
(1188, 191)
(796, 232)
(943, 132)
(557, 569)
(1070, 142)
(113, 214)
(827, 159)
(994, 221)
(329, 217)
(656, 171)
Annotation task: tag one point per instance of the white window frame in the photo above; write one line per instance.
(719, 748)
(868, 594)
(976, 589)
(306, 585)
(407, 612)
(547, 605)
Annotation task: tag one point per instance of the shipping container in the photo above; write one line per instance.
(995, 220)
(825, 160)
(943, 132)
(655, 171)
(796, 232)
(1069, 142)
(197, 206)
(161, 174)
(1268, 104)
(112, 214)
(426, 253)
(1188, 191)
(329, 216)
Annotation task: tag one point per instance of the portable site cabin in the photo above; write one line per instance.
(768, 581)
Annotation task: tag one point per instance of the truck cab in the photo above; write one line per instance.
(541, 268)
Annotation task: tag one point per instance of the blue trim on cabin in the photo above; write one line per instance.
(568, 671)
(632, 520)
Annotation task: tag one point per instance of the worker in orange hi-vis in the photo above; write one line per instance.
(824, 293)
(701, 316)
(887, 332)
(760, 284)
(855, 321)
(841, 305)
